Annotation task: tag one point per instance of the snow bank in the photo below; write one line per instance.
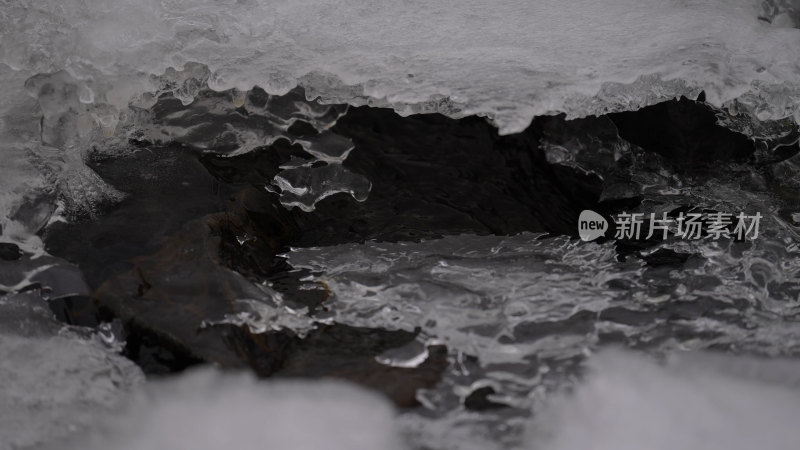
(208, 410)
(703, 402)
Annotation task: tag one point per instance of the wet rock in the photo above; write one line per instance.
(155, 355)
(61, 281)
(666, 257)
(349, 353)
(433, 175)
(166, 298)
(171, 292)
(478, 400)
(626, 316)
(166, 187)
(75, 310)
(686, 133)
(164, 271)
(9, 251)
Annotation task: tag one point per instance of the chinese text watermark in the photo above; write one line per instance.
(715, 225)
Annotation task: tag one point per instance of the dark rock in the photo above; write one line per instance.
(433, 176)
(348, 353)
(75, 310)
(9, 251)
(176, 190)
(665, 257)
(478, 400)
(686, 133)
(625, 316)
(172, 291)
(61, 281)
(165, 298)
(155, 355)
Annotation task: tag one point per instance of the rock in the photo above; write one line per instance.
(478, 400)
(686, 133)
(9, 251)
(167, 297)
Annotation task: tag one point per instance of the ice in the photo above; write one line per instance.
(520, 313)
(467, 292)
(706, 401)
(303, 187)
(490, 296)
(214, 122)
(410, 355)
(96, 68)
(55, 386)
(46, 178)
(39, 181)
(209, 410)
(509, 60)
(260, 316)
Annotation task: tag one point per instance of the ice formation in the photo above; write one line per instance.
(96, 69)
(519, 313)
(487, 296)
(509, 60)
(235, 122)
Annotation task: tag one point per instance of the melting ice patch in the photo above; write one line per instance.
(519, 314)
(471, 293)
(488, 296)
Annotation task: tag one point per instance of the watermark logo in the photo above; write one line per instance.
(591, 225)
(692, 226)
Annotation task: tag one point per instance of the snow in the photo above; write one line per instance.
(509, 59)
(210, 410)
(55, 382)
(694, 403)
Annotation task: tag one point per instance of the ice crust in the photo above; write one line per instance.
(509, 60)
(96, 68)
(521, 313)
